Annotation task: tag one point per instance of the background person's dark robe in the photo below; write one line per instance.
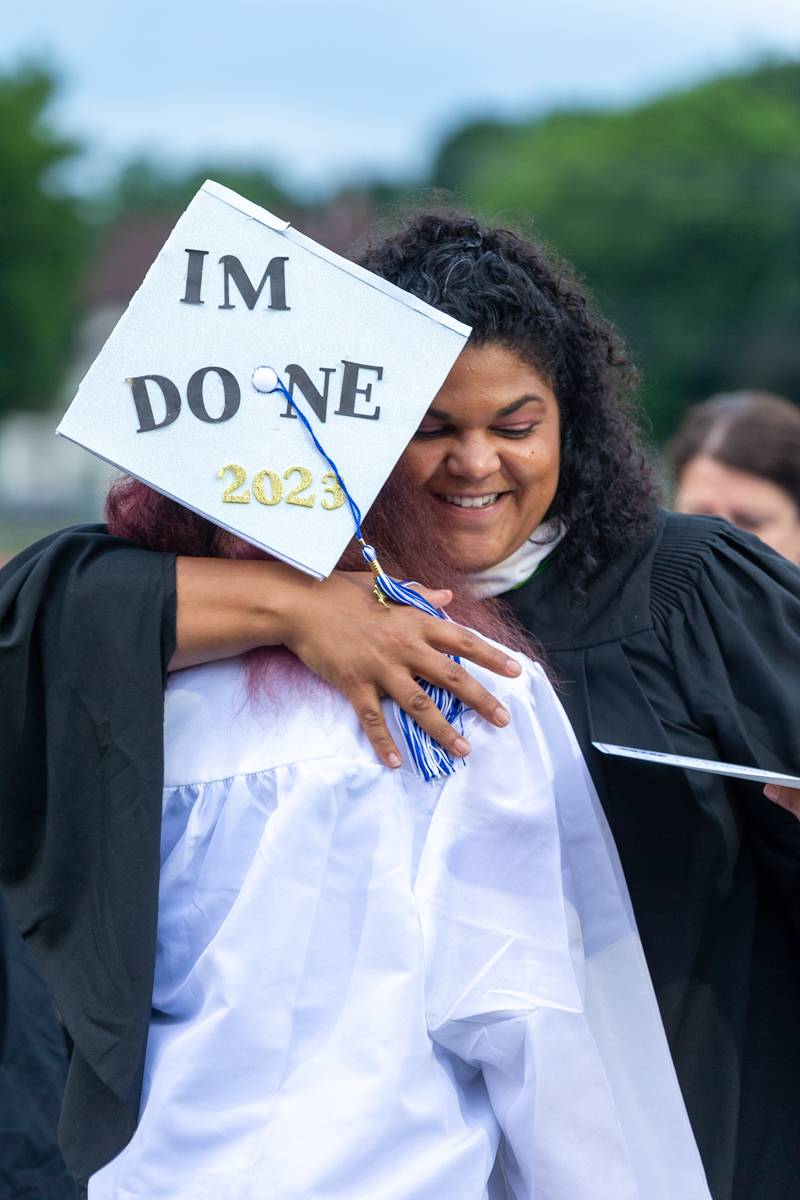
(690, 643)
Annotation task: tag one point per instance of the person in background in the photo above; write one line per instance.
(737, 456)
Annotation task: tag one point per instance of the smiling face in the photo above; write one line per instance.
(488, 453)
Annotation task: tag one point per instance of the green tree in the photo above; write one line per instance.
(144, 186)
(42, 243)
(682, 213)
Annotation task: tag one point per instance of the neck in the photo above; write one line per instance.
(520, 564)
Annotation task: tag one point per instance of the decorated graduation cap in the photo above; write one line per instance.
(269, 385)
(186, 393)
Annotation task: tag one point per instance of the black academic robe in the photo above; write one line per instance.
(87, 628)
(688, 642)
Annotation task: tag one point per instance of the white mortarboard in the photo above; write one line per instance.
(171, 398)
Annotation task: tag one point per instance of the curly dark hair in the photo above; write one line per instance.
(516, 293)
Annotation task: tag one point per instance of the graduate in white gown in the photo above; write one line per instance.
(371, 986)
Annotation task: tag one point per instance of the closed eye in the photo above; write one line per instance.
(748, 521)
(439, 431)
(506, 431)
(517, 431)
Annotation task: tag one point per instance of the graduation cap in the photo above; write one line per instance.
(269, 385)
(241, 326)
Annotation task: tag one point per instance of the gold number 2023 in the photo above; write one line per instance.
(268, 487)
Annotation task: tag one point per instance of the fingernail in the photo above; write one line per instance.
(502, 715)
(461, 747)
(393, 758)
(513, 666)
(772, 792)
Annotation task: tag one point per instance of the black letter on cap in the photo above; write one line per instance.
(144, 409)
(318, 400)
(230, 389)
(194, 277)
(275, 273)
(350, 389)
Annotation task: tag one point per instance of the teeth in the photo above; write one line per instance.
(472, 501)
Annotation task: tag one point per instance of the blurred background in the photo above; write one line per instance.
(656, 147)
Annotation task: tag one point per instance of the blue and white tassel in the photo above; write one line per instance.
(431, 760)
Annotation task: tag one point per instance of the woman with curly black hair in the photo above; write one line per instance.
(525, 304)
(664, 632)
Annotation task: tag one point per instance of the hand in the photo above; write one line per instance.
(366, 651)
(785, 796)
(229, 606)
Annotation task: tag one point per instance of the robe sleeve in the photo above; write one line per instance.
(87, 628)
(730, 616)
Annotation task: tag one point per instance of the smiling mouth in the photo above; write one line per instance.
(470, 501)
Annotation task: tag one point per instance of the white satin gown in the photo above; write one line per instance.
(372, 988)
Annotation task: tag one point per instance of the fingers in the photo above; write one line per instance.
(438, 597)
(418, 704)
(376, 652)
(436, 668)
(454, 639)
(784, 796)
(367, 705)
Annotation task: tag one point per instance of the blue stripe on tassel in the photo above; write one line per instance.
(431, 760)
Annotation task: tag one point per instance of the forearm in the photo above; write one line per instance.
(229, 606)
(334, 626)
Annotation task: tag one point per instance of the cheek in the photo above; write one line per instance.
(421, 460)
(554, 461)
(538, 467)
(786, 533)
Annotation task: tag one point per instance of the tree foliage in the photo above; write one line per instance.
(42, 243)
(682, 213)
(145, 186)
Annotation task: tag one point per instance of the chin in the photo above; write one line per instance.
(469, 559)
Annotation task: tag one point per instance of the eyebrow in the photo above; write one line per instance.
(506, 411)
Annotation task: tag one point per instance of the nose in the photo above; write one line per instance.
(472, 457)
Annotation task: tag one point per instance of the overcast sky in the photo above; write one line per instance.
(328, 90)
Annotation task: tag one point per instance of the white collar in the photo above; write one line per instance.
(520, 565)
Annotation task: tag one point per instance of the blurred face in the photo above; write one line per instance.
(488, 453)
(746, 500)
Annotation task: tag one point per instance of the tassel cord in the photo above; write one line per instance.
(430, 759)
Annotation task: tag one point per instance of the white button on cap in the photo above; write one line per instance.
(265, 379)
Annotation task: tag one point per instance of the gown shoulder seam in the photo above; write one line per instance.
(685, 547)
